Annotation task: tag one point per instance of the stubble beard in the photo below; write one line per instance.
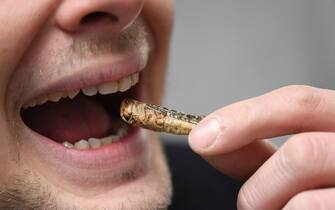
(25, 189)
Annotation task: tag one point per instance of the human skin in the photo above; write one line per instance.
(44, 42)
(35, 37)
(298, 175)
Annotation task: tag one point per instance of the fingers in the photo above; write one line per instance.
(288, 110)
(321, 199)
(242, 163)
(306, 161)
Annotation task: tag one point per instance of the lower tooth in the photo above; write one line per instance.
(94, 143)
(106, 140)
(110, 139)
(68, 144)
(114, 138)
(82, 144)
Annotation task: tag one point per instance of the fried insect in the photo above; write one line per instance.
(157, 118)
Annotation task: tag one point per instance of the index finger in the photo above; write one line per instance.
(288, 110)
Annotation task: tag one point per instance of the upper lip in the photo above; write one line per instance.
(91, 75)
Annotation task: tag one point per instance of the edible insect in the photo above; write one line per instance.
(157, 118)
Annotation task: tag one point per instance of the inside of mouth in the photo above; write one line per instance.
(81, 118)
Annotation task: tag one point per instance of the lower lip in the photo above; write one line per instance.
(112, 157)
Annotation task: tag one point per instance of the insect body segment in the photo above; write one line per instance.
(157, 118)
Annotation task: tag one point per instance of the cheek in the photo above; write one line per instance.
(9, 154)
(159, 15)
(21, 21)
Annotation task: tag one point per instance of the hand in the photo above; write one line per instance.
(300, 174)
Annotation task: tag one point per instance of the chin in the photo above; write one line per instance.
(143, 184)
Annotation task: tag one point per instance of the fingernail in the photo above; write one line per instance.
(205, 134)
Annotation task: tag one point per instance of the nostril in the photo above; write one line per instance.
(98, 16)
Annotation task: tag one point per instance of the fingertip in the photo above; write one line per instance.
(204, 136)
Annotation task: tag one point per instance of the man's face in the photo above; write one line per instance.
(65, 67)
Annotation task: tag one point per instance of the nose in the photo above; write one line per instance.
(74, 15)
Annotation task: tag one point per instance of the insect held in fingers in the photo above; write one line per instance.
(158, 118)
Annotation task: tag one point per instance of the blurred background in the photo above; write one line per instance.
(228, 50)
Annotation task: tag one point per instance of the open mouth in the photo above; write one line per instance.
(84, 119)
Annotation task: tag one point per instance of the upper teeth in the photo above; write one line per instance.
(121, 85)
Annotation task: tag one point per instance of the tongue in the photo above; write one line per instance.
(69, 120)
